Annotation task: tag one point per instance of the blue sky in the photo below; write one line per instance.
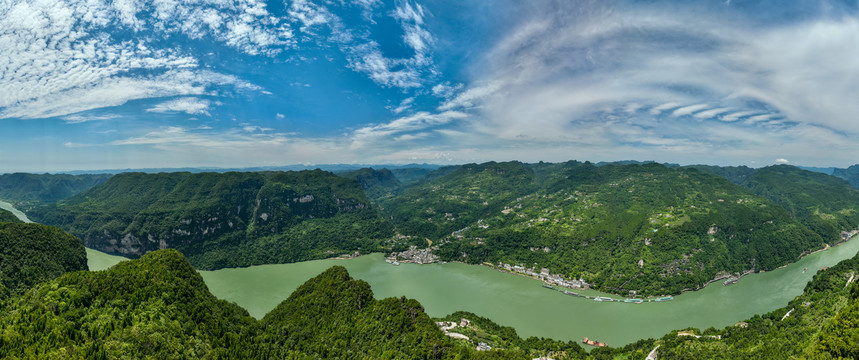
(96, 84)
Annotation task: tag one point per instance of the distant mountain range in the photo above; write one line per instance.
(630, 226)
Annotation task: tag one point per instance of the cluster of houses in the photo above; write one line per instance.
(415, 255)
(846, 235)
(545, 275)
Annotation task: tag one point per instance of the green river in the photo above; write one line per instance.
(8, 207)
(521, 302)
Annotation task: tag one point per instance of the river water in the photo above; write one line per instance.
(521, 302)
(8, 207)
(518, 301)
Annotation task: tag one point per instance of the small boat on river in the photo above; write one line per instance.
(586, 341)
(547, 286)
(633, 301)
(600, 298)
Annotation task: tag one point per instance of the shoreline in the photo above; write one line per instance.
(719, 278)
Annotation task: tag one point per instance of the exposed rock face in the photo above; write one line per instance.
(201, 208)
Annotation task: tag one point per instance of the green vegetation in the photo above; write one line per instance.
(158, 307)
(821, 325)
(825, 204)
(851, 174)
(33, 253)
(6, 216)
(223, 220)
(622, 227)
(648, 228)
(376, 183)
(25, 190)
(483, 330)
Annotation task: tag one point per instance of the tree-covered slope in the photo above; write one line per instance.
(223, 220)
(645, 227)
(825, 204)
(158, 307)
(32, 253)
(819, 324)
(26, 190)
(851, 174)
(376, 183)
(6, 216)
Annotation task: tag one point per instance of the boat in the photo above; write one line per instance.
(633, 301)
(730, 281)
(547, 286)
(586, 341)
(600, 298)
(665, 298)
(396, 263)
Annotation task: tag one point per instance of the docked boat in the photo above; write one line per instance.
(547, 286)
(587, 341)
(600, 298)
(730, 281)
(633, 301)
(665, 298)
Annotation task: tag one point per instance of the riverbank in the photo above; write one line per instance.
(521, 303)
(11, 208)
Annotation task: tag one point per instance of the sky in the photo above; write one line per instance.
(95, 84)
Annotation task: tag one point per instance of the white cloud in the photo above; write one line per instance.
(404, 105)
(686, 110)
(711, 113)
(781, 161)
(737, 115)
(446, 90)
(470, 97)
(556, 72)
(80, 118)
(280, 116)
(656, 110)
(370, 135)
(189, 105)
(61, 59)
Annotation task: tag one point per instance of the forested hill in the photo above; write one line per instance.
(223, 219)
(26, 190)
(826, 204)
(649, 228)
(376, 183)
(158, 307)
(33, 253)
(6, 216)
(851, 174)
(819, 324)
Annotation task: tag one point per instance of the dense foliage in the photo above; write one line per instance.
(647, 227)
(483, 330)
(821, 325)
(6, 216)
(223, 220)
(851, 174)
(25, 190)
(376, 183)
(33, 253)
(158, 307)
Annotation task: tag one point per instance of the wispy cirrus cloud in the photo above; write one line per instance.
(188, 105)
(567, 75)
